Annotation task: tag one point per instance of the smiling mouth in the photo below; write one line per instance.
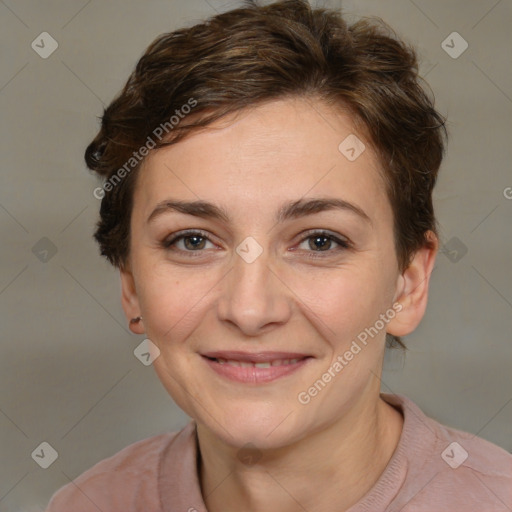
(255, 368)
(261, 364)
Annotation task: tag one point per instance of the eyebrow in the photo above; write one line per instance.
(290, 210)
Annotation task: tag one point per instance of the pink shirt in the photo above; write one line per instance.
(434, 468)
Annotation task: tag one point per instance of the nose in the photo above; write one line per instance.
(254, 298)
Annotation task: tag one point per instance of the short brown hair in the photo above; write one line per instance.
(254, 54)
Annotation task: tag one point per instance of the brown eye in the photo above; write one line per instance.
(325, 242)
(193, 241)
(321, 242)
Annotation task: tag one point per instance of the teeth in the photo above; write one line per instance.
(262, 365)
(265, 364)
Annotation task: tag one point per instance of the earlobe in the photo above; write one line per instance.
(412, 289)
(130, 301)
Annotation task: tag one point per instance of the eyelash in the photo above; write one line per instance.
(343, 244)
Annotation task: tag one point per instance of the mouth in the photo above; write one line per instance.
(260, 367)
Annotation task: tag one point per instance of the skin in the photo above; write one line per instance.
(250, 164)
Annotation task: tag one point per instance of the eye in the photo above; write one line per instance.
(319, 241)
(193, 241)
(322, 241)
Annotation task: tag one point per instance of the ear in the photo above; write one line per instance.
(129, 299)
(412, 289)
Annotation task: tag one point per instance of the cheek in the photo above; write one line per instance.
(175, 304)
(174, 300)
(341, 301)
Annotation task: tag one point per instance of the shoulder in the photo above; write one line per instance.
(473, 452)
(119, 482)
(480, 468)
(449, 469)
(468, 473)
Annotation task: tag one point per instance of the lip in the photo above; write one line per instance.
(253, 375)
(253, 357)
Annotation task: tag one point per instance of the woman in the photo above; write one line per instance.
(268, 202)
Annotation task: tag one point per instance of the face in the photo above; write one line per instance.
(261, 272)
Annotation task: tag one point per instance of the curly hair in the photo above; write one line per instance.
(246, 56)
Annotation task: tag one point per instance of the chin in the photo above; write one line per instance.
(263, 428)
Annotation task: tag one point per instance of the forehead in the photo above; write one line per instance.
(284, 149)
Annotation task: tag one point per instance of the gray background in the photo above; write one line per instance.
(68, 375)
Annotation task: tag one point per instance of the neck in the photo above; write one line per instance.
(340, 463)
